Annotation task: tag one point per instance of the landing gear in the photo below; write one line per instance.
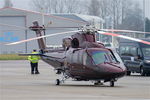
(57, 82)
(98, 83)
(58, 72)
(112, 83)
(63, 78)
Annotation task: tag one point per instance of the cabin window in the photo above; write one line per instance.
(75, 57)
(80, 57)
(75, 43)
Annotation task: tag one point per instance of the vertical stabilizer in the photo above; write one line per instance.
(38, 29)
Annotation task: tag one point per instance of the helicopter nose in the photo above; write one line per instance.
(120, 74)
(117, 71)
(121, 71)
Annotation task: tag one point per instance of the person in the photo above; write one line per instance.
(34, 62)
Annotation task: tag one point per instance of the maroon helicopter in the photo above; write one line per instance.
(81, 58)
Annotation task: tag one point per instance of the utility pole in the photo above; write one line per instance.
(144, 17)
(144, 14)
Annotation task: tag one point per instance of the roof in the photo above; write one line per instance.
(49, 15)
(81, 17)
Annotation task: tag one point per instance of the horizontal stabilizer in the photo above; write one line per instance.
(30, 54)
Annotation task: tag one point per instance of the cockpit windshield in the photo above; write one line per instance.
(99, 57)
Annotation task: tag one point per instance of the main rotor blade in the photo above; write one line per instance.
(20, 27)
(22, 41)
(125, 37)
(126, 31)
(26, 28)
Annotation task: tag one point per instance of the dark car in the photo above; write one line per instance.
(136, 56)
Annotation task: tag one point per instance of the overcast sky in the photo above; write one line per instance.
(25, 4)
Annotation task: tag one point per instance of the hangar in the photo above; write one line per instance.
(14, 25)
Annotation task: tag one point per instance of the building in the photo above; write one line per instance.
(14, 25)
(95, 21)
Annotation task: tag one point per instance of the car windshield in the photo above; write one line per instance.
(146, 51)
(99, 57)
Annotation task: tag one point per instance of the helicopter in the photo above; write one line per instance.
(81, 58)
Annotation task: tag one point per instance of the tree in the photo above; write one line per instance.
(133, 19)
(123, 14)
(109, 10)
(8, 3)
(57, 6)
(94, 7)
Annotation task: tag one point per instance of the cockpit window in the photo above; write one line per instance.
(99, 57)
(113, 59)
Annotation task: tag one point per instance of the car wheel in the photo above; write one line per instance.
(148, 74)
(128, 73)
(142, 72)
(112, 83)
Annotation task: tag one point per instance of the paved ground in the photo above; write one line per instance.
(16, 83)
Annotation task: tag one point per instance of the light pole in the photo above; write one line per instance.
(144, 14)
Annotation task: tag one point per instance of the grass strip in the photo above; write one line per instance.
(12, 57)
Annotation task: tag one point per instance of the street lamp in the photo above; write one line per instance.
(144, 14)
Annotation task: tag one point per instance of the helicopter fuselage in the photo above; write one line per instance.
(85, 64)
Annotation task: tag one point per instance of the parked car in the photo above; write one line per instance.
(136, 56)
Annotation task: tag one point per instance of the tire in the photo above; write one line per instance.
(128, 73)
(57, 82)
(112, 83)
(148, 74)
(96, 83)
(142, 72)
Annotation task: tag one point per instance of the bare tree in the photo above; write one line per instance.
(8, 3)
(111, 10)
(121, 12)
(133, 19)
(72, 6)
(94, 7)
(57, 6)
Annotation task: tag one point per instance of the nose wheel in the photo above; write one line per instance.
(57, 82)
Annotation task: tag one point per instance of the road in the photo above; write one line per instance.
(16, 83)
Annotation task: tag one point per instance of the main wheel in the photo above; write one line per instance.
(98, 83)
(57, 82)
(58, 72)
(112, 83)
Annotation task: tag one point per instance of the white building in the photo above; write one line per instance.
(14, 21)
